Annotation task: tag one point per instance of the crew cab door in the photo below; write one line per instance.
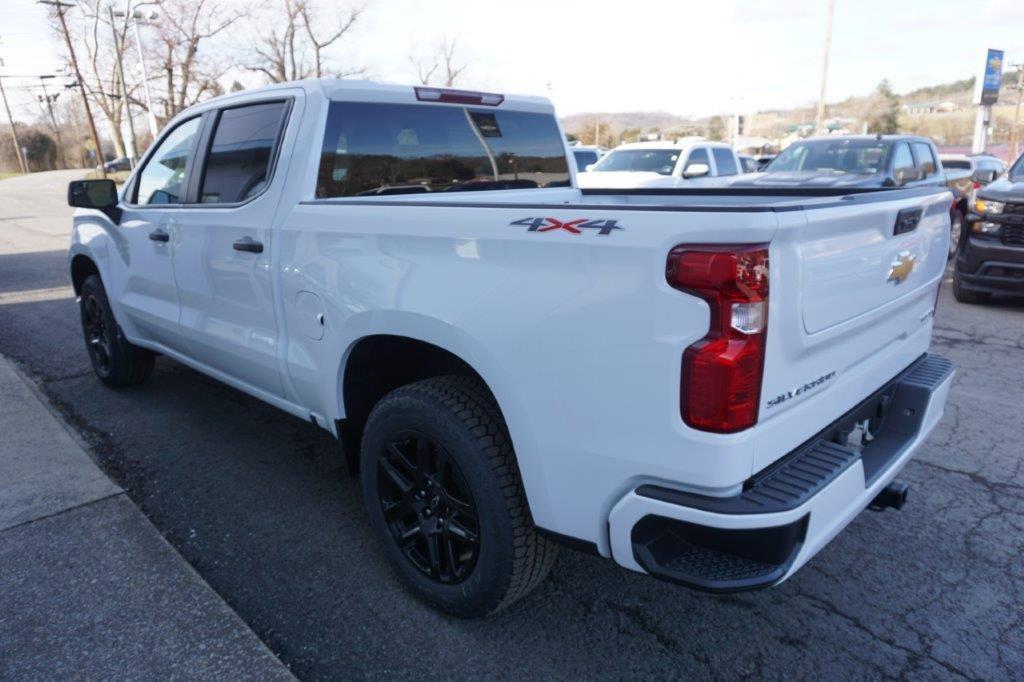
(223, 244)
(147, 292)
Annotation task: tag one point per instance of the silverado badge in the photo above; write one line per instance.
(901, 268)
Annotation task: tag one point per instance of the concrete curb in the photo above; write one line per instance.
(88, 586)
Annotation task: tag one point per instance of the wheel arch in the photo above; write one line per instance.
(402, 348)
(81, 267)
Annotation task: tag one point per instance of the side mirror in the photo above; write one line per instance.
(98, 194)
(984, 177)
(908, 174)
(696, 170)
(589, 167)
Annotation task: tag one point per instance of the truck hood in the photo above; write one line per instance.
(806, 179)
(1003, 189)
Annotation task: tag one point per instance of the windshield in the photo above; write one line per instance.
(660, 161)
(865, 157)
(1017, 172)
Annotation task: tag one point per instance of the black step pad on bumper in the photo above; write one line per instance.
(716, 559)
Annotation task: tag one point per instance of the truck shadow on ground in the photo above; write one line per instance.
(30, 271)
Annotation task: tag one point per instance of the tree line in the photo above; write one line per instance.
(176, 53)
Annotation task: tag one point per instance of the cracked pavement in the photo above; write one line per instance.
(251, 498)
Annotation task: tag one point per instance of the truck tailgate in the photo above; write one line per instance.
(853, 291)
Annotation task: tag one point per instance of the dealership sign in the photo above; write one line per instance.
(986, 85)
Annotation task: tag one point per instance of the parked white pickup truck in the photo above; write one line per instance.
(704, 385)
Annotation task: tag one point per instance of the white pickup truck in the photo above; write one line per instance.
(704, 385)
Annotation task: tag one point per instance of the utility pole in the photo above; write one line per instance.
(60, 5)
(22, 162)
(124, 89)
(138, 16)
(53, 119)
(1015, 132)
(819, 121)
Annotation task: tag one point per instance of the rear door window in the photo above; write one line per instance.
(241, 152)
(925, 158)
(385, 149)
(725, 161)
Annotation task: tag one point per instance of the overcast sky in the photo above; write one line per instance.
(684, 57)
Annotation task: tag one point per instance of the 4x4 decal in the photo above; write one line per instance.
(577, 226)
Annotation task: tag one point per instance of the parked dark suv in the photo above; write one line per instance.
(991, 254)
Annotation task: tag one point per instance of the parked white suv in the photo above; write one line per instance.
(651, 163)
(704, 385)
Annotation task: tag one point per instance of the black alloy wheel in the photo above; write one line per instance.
(98, 337)
(442, 490)
(116, 361)
(428, 507)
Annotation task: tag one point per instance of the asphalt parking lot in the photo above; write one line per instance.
(252, 499)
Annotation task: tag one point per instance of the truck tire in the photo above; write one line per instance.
(116, 362)
(966, 295)
(443, 491)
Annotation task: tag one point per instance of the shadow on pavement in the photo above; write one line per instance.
(33, 270)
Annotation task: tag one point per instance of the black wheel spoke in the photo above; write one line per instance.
(449, 552)
(394, 475)
(461, 532)
(401, 461)
(459, 506)
(409, 536)
(434, 556)
(398, 510)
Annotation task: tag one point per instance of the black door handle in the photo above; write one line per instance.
(158, 235)
(248, 244)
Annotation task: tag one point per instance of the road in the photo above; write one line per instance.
(253, 499)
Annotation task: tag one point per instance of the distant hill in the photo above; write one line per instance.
(628, 119)
(776, 123)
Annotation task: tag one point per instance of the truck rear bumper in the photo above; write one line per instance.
(789, 511)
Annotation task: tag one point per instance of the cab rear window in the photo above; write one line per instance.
(387, 149)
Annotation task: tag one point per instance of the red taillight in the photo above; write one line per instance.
(449, 96)
(721, 380)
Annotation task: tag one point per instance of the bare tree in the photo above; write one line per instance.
(443, 61)
(344, 25)
(100, 74)
(190, 75)
(294, 51)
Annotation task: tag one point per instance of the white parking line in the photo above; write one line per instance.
(35, 295)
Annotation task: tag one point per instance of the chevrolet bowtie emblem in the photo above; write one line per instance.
(901, 267)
